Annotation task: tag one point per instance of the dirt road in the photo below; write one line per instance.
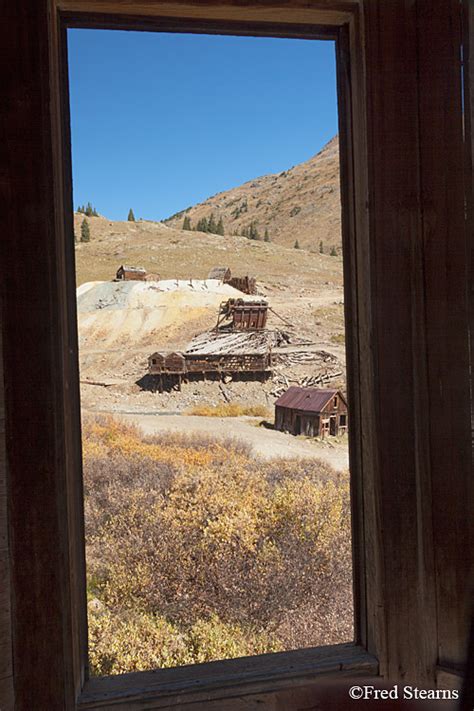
(267, 443)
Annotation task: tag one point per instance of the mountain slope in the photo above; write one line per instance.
(177, 254)
(302, 203)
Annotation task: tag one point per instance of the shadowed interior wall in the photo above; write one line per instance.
(6, 670)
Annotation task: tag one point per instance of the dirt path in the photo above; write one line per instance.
(266, 443)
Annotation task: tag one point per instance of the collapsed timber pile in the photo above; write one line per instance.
(237, 342)
(282, 382)
(303, 357)
(284, 359)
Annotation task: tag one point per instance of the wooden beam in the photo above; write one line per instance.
(421, 329)
(42, 403)
(397, 293)
(6, 651)
(264, 677)
(318, 12)
(445, 248)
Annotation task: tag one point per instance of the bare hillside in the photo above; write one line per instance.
(177, 254)
(302, 203)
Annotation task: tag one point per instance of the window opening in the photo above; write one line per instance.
(208, 477)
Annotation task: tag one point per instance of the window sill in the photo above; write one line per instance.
(224, 679)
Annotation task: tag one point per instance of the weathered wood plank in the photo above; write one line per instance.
(6, 664)
(262, 675)
(323, 694)
(445, 246)
(3, 462)
(38, 400)
(6, 668)
(367, 554)
(3, 522)
(7, 702)
(396, 283)
(319, 12)
(468, 50)
(421, 331)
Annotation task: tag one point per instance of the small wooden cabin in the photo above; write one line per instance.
(125, 273)
(222, 273)
(163, 364)
(313, 412)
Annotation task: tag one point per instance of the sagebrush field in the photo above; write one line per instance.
(197, 550)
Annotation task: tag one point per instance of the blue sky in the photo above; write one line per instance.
(162, 121)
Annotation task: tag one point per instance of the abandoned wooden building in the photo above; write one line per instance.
(242, 315)
(125, 273)
(177, 368)
(405, 73)
(246, 284)
(315, 412)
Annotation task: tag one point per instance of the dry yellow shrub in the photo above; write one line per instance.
(197, 550)
(231, 409)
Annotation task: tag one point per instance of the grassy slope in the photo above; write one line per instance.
(300, 203)
(173, 253)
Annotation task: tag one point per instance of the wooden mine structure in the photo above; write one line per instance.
(315, 412)
(241, 315)
(176, 368)
(246, 284)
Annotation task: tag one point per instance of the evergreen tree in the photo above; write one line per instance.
(321, 247)
(85, 231)
(131, 216)
(88, 210)
(187, 223)
(266, 237)
(253, 232)
(297, 244)
(202, 225)
(220, 227)
(333, 252)
(211, 225)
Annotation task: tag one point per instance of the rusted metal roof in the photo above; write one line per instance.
(306, 399)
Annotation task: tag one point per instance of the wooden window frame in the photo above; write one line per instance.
(404, 183)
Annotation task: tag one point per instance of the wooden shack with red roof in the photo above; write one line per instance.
(315, 412)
